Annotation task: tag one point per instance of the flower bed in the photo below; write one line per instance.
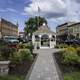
(21, 62)
(21, 59)
(69, 63)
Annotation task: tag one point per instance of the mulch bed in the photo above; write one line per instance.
(21, 68)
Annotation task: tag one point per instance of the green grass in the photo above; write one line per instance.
(72, 76)
(12, 77)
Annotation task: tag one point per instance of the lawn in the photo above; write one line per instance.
(72, 76)
(12, 77)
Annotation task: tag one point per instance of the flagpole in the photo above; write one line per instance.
(38, 16)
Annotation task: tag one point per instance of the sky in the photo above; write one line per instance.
(55, 11)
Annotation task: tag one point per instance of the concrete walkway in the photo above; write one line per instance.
(44, 68)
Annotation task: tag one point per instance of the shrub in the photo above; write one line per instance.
(78, 50)
(6, 52)
(70, 56)
(23, 46)
(23, 54)
(61, 46)
(12, 77)
(26, 46)
(72, 76)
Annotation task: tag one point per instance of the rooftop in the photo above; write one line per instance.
(7, 22)
(69, 24)
(43, 29)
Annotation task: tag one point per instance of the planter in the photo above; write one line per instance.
(4, 67)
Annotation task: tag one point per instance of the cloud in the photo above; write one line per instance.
(2, 10)
(78, 1)
(48, 8)
(23, 13)
(11, 9)
(73, 10)
(54, 22)
(56, 11)
(8, 9)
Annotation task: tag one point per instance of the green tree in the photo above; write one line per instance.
(40, 20)
(32, 25)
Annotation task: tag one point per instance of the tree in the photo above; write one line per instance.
(40, 20)
(32, 25)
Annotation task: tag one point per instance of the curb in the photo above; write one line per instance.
(32, 66)
(57, 67)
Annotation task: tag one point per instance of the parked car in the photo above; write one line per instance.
(69, 42)
(11, 39)
(73, 41)
(76, 41)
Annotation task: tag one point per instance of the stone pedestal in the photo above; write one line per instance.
(4, 67)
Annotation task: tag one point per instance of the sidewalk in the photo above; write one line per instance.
(44, 68)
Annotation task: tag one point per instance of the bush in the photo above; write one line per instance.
(21, 46)
(6, 52)
(26, 54)
(23, 54)
(61, 46)
(78, 51)
(25, 46)
(72, 76)
(12, 77)
(70, 56)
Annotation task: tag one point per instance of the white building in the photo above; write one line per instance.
(44, 37)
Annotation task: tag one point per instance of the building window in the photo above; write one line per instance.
(71, 30)
(76, 29)
(77, 35)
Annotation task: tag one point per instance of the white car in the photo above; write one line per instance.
(11, 39)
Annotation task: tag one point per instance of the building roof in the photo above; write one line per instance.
(44, 29)
(63, 24)
(74, 24)
(7, 22)
(68, 24)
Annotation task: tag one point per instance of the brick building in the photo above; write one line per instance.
(7, 28)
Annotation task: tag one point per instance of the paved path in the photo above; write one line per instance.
(44, 68)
